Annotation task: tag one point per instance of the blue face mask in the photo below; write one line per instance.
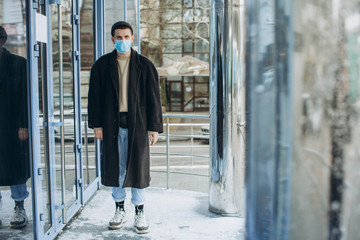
(122, 46)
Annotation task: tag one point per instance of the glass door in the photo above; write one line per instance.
(89, 159)
(56, 115)
(64, 107)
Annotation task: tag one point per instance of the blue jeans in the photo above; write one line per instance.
(119, 193)
(19, 192)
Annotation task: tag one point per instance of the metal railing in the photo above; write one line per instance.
(188, 136)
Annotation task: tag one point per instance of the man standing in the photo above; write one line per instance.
(14, 144)
(124, 109)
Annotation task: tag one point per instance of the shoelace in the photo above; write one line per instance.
(140, 219)
(18, 215)
(118, 214)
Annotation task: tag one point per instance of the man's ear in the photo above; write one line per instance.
(113, 40)
(132, 38)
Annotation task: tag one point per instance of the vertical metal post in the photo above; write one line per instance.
(33, 109)
(86, 150)
(61, 91)
(227, 107)
(167, 152)
(125, 7)
(138, 24)
(192, 144)
(99, 50)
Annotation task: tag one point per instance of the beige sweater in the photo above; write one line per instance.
(123, 70)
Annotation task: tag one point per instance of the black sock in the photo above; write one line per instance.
(120, 205)
(139, 208)
(20, 204)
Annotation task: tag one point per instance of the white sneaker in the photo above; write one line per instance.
(140, 223)
(19, 218)
(119, 219)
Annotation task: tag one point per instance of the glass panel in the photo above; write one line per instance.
(202, 79)
(201, 45)
(202, 96)
(200, 3)
(44, 137)
(170, 3)
(188, 45)
(172, 46)
(64, 146)
(188, 97)
(175, 96)
(188, 157)
(188, 30)
(87, 45)
(188, 79)
(326, 124)
(15, 181)
(170, 58)
(174, 78)
(131, 14)
(202, 56)
(203, 30)
(114, 11)
(171, 31)
(171, 16)
(303, 78)
(188, 3)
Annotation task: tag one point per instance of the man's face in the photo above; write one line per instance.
(122, 34)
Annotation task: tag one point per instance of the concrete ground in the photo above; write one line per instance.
(171, 214)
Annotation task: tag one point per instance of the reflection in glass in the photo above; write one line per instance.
(15, 204)
(303, 142)
(326, 120)
(14, 158)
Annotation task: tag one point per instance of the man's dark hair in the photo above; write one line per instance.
(3, 33)
(121, 25)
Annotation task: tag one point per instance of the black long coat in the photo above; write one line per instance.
(144, 114)
(14, 153)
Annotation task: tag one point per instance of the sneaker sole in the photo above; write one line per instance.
(18, 226)
(142, 231)
(115, 227)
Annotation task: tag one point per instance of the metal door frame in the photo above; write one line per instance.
(83, 195)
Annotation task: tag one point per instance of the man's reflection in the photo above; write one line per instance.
(14, 155)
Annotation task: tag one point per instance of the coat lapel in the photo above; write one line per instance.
(114, 72)
(134, 76)
(133, 96)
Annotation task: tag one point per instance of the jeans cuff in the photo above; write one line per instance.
(18, 199)
(118, 199)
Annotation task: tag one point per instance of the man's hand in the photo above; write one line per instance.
(99, 133)
(23, 134)
(153, 138)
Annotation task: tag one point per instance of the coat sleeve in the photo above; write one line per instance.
(19, 65)
(153, 99)
(94, 98)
